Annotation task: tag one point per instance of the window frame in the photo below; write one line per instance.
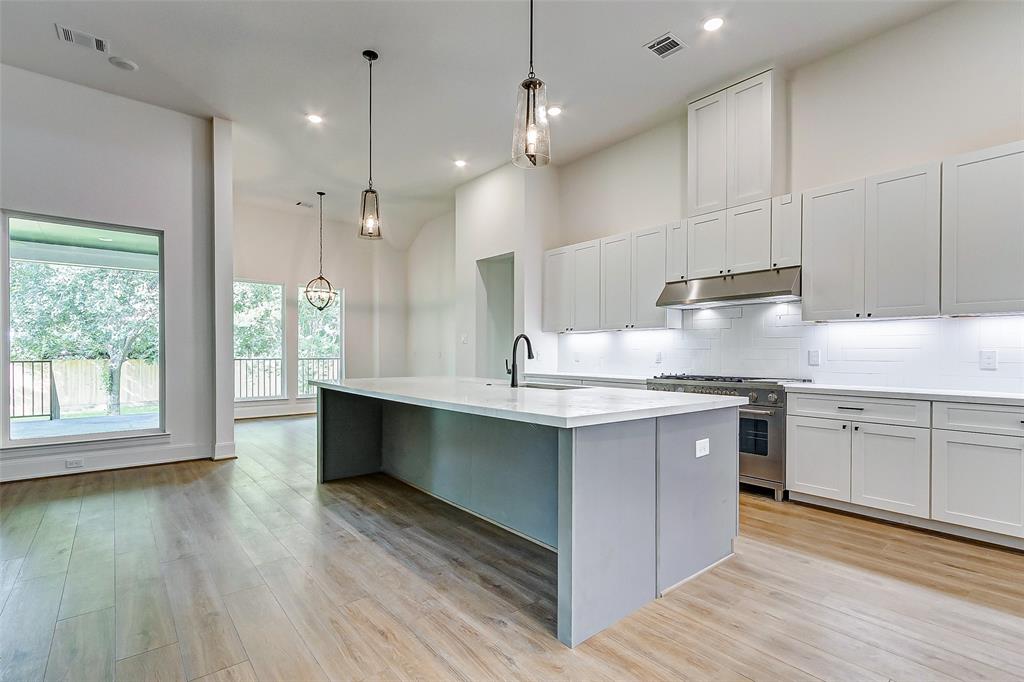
(339, 301)
(283, 396)
(6, 443)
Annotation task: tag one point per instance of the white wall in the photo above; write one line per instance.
(634, 184)
(950, 82)
(73, 152)
(430, 268)
(771, 340)
(494, 216)
(281, 246)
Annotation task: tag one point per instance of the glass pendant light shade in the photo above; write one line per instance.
(369, 215)
(319, 291)
(531, 137)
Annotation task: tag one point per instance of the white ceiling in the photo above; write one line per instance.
(444, 86)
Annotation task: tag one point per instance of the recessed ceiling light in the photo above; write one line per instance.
(314, 118)
(124, 64)
(713, 24)
(460, 163)
(554, 111)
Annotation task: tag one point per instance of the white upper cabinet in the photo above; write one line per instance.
(748, 237)
(648, 278)
(786, 226)
(901, 243)
(833, 252)
(749, 140)
(586, 309)
(706, 153)
(675, 256)
(558, 290)
(983, 231)
(616, 281)
(737, 151)
(705, 245)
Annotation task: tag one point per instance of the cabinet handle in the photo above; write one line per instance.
(858, 314)
(869, 314)
(721, 272)
(728, 270)
(844, 407)
(775, 265)
(856, 428)
(844, 426)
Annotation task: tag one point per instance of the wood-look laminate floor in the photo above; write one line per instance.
(247, 570)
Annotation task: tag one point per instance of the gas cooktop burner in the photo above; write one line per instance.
(723, 379)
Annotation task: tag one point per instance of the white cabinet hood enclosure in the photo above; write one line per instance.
(765, 286)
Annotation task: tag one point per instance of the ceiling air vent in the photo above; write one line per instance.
(70, 35)
(666, 46)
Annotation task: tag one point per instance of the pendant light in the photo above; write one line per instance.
(319, 291)
(531, 138)
(369, 213)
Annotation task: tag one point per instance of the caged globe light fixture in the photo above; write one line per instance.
(319, 291)
(531, 137)
(369, 211)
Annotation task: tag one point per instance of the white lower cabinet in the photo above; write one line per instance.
(818, 457)
(891, 468)
(978, 480)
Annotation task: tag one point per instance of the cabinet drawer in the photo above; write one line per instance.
(875, 410)
(1000, 419)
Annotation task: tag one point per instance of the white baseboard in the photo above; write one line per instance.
(916, 522)
(224, 451)
(42, 466)
(257, 410)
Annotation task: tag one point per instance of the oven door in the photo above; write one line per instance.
(763, 443)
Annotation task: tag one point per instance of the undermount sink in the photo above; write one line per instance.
(551, 387)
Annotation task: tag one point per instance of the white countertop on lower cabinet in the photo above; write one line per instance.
(937, 394)
(567, 409)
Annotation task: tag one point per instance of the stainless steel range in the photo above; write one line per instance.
(762, 438)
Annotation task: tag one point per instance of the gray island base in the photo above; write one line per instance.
(611, 479)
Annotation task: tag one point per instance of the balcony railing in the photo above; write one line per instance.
(317, 369)
(258, 378)
(33, 389)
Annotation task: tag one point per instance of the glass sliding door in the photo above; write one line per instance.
(320, 343)
(84, 325)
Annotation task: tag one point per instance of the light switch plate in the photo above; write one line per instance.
(704, 447)
(990, 359)
(814, 358)
(785, 199)
(464, 339)
(657, 358)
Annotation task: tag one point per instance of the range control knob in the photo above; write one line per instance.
(753, 396)
(772, 398)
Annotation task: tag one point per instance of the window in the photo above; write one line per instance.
(259, 343)
(83, 315)
(320, 335)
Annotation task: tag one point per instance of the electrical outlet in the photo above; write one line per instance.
(990, 359)
(814, 358)
(74, 463)
(576, 358)
(657, 358)
(704, 447)
(464, 339)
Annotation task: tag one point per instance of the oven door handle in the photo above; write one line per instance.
(760, 413)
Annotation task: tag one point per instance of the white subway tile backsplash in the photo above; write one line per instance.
(771, 339)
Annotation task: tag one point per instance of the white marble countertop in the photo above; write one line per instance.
(567, 409)
(953, 395)
(625, 378)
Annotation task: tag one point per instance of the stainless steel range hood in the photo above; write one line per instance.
(763, 286)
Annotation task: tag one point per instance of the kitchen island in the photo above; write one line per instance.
(636, 491)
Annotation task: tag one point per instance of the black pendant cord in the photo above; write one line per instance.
(371, 125)
(321, 194)
(532, 74)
